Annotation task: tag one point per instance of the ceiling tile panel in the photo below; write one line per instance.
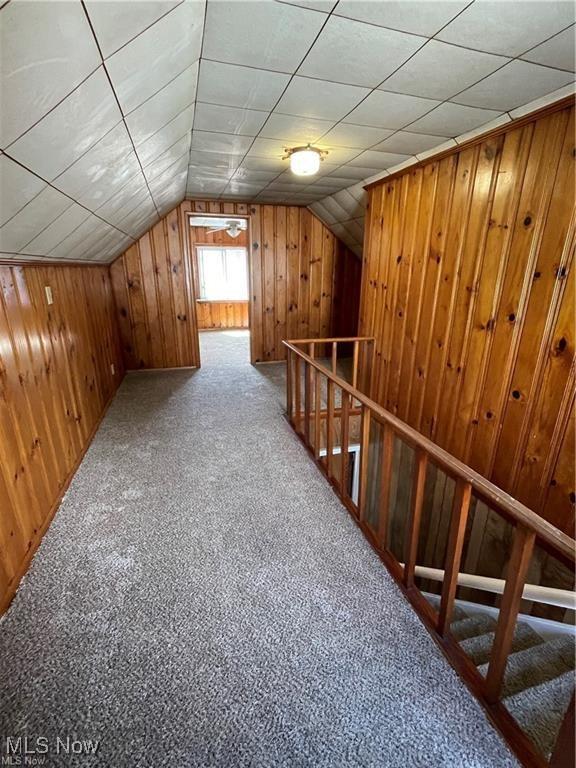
(225, 143)
(243, 174)
(263, 164)
(164, 138)
(204, 186)
(372, 56)
(337, 155)
(356, 136)
(373, 159)
(513, 85)
(158, 55)
(56, 232)
(407, 143)
(214, 159)
(116, 23)
(17, 187)
(124, 202)
(439, 70)
(350, 204)
(232, 120)
(164, 106)
(243, 87)
(390, 110)
(315, 98)
(544, 101)
(421, 17)
(352, 173)
(452, 119)
(260, 34)
(71, 129)
(559, 51)
(81, 239)
(46, 51)
(295, 130)
(178, 151)
(104, 169)
(509, 28)
(271, 148)
(316, 5)
(33, 218)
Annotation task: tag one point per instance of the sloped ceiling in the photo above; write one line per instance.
(113, 112)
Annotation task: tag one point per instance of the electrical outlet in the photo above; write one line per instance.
(113, 368)
(49, 297)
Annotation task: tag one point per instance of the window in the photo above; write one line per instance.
(223, 274)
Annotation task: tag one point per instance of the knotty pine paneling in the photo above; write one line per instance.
(295, 265)
(56, 380)
(222, 314)
(469, 291)
(153, 287)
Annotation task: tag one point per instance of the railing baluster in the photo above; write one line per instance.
(355, 364)
(522, 548)
(385, 479)
(563, 754)
(289, 385)
(364, 448)
(307, 369)
(334, 356)
(310, 374)
(344, 430)
(329, 426)
(413, 530)
(458, 521)
(297, 394)
(317, 414)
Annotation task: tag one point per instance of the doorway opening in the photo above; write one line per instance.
(221, 264)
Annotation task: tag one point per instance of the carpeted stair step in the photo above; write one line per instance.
(536, 665)
(457, 612)
(541, 709)
(472, 626)
(480, 647)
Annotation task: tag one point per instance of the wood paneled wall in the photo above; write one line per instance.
(294, 263)
(154, 289)
(468, 289)
(222, 314)
(56, 380)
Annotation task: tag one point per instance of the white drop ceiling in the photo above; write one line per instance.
(111, 112)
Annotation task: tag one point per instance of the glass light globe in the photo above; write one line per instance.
(305, 162)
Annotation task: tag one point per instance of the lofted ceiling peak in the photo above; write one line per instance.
(113, 112)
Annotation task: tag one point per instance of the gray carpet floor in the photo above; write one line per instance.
(203, 599)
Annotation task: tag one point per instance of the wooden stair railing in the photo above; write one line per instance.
(323, 422)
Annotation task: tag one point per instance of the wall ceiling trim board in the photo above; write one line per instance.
(171, 100)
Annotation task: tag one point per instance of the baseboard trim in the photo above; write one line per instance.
(39, 535)
(159, 370)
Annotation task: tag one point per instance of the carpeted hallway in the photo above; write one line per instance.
(203, 599)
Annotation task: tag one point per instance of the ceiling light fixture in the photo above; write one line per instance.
(305, 161)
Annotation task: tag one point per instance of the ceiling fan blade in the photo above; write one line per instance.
(217, 229)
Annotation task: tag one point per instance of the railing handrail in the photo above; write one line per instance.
(521, 514)
(536, 593)
(343, 339)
